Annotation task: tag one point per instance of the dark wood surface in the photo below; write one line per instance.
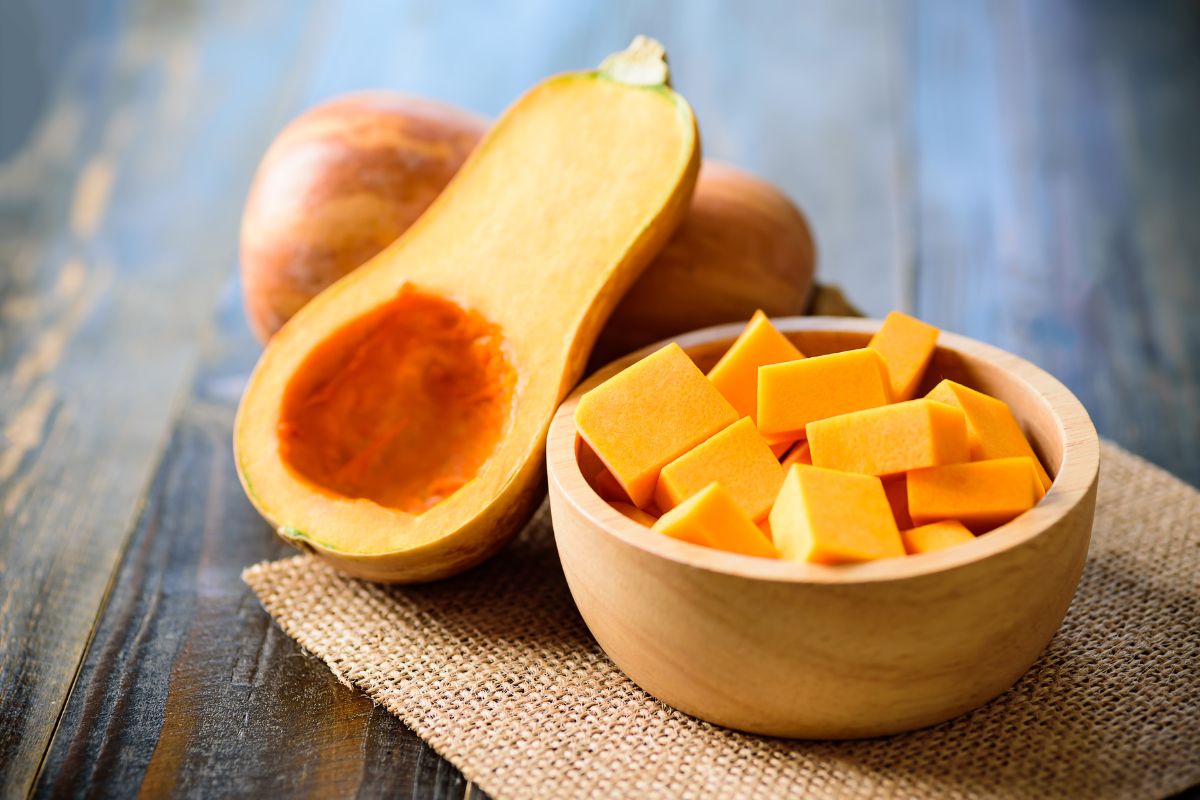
(1027, 173)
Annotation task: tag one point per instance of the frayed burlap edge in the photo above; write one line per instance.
(496, 670)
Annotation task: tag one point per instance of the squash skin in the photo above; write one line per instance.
(474, 523)
(471, 545)
(338, 185)
(743, 245)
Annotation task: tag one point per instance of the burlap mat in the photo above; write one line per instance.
(496, 670)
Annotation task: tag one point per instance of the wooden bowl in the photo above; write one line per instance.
(805, 650)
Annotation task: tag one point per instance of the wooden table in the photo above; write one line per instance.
(1027, 173)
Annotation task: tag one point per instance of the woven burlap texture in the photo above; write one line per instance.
(497, 671)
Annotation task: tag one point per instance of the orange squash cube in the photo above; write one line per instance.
(830, 517)
(896, 489)
(649, 414)
(800, 454)
(935, 536)
(780, 448)
(712, 518)
(992, 430)
(979, 494)
(607, 487)
(738, 458)
(795, 393)
(890, 439)
(736, 374)
(906, 344)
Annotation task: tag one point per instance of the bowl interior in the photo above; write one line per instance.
(1053, 419)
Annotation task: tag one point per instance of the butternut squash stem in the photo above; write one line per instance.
(643, 63)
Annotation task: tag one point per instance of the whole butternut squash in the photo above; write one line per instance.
(346, 178)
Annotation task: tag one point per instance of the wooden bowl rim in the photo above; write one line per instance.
(1076, 475)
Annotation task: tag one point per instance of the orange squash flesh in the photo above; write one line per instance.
(896, 489)
(338, 185)
(992, 430)
(779, 449)
(890, 439)
(980, 494)
(738, 458)
(400, 407)
(935, 536)
(607, 487)
(906, 344)
(828, 517)
(736, 374)
(880, 481)
(764, 525)
(553, 216)
(712, 518)
(800, 454)
(795, 393)
(622, 419)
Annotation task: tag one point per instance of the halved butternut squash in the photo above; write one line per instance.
(396, 424)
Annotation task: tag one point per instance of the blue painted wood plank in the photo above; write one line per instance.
(1056, 172)
(121, 200)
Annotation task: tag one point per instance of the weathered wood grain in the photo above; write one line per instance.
(1056, 169)
(118, 209)
(188, 688)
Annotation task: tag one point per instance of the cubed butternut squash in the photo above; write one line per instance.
(935, 536)
(607, 487)
(800, 454)
(829, 517)
(649, 414)
(736, 374)
(780, 448)
(890, 439)
(979, 494)
(738, 458)
(795, 393)
(896, 489)
(837, 469)
(712, 518)
(906, 344)
(992, 430)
